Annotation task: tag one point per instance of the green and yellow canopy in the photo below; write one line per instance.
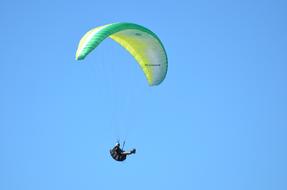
(139, 41)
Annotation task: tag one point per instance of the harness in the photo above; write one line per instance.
(117, 154)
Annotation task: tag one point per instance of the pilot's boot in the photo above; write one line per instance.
(133, 151)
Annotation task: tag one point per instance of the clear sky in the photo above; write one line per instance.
(218, 121)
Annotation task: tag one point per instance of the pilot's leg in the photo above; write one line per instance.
(133, 151)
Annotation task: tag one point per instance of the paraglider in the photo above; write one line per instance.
(119, 154)
(142, 44)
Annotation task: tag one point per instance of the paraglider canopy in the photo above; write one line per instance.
(139, 41)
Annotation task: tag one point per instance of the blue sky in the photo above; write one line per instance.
(218, 121)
